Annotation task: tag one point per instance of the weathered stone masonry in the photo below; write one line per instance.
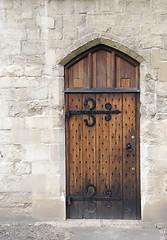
(36, 38)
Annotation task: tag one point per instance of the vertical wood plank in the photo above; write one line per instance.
(101, 74)
(89, 161)
(100, 136)
(116, 155)
(118, 71)
(138, 203)
(67, 154)
(75, 155)
(129, 157)
(94, 70)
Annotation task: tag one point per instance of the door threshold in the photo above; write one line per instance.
(107, 223)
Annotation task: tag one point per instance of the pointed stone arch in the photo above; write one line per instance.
(78, 48)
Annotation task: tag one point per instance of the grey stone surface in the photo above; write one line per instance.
(37, 37)
(79, 230)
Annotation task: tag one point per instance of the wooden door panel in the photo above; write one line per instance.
(102, 67)
(97, 156)
(102, 154)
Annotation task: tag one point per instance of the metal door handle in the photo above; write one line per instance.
(129, 147)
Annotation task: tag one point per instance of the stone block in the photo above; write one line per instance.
(59, 135)
(157, 152)
(33, 35)
(7, 4)
(59, 73)
(33, 70)
(24, 82)
(56, 98)
(22, 168)
(13, 35)
(46, 22)
(14, 71)
(45, 167)
(150, 86)
(157, 42)
(36, 152)
(18, 199)
(57, 8)
(11, 153)
(70, 23)
(155, 182)
(159, 170)
(1, 123)
(102, 7)
(28, 108)
(38, 93)
(32, 48)
(132, 6)
(155, 58)
(58, 152)
(153, 133)
(10, 183)
(36, 59)
(43, 208)
(46, 136)
(5, 110)
(50, 57)
(148, 110)
(2, 18)
(5, 136)
(99, 20)
(24, 136)
(48, 70)
(6, 123)
(19, 94)
(6, 169)
(159, 6)
(5, 82)
(6, 94)
(10, 47)
(53, 185)
(161, 116)
(17, 123)
(58, 119)
(155, 211)
(17, 17)
(162, 89)
(5, 60)
(37, 122)
(163, 72)
(158, 31)
(161, 104)
(55, 34)
(33, 183)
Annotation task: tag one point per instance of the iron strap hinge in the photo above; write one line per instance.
(69, 113)
(70, 199)
(91, 112)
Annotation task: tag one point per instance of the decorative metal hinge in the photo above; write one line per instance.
(91, 112)
(92, 197)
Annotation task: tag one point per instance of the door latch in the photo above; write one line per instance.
(129, 147)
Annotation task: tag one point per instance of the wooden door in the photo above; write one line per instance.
(102, 146)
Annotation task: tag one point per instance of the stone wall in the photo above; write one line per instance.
(36, 38)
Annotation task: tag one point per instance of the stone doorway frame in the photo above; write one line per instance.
(76, 49)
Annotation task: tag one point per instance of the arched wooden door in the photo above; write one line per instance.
(102, 135)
